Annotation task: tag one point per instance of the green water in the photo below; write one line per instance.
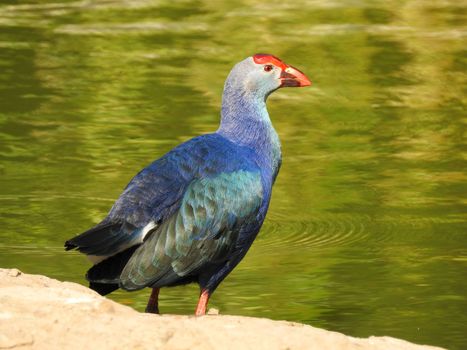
(366, 233)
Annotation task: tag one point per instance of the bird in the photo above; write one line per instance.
(191, 215)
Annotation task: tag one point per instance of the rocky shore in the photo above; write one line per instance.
(37, 312)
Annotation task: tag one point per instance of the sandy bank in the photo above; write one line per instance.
(37, 312)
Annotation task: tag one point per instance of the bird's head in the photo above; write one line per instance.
(262, 74)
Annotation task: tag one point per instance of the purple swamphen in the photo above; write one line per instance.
(192, 215)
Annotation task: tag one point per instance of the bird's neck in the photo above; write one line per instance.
(245, 121)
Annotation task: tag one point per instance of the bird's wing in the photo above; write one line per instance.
(150, 197)
(202, 231)
(156, 193)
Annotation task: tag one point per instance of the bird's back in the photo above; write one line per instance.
(155, 192)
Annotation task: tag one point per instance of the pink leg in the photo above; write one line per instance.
(153, 303)
(202, 303)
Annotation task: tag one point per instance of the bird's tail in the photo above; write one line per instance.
(103, 288)
(104, 277)
(105, 239)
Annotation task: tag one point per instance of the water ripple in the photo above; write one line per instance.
(334, 230)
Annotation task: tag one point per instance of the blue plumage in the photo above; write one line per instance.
(203, 232)
(192, 214)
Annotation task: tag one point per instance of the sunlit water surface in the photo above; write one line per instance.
(366, 233)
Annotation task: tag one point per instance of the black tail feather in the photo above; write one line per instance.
(103, 239)
(104, 277)
(103, 288)
(89, 237)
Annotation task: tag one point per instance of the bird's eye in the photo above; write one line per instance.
(268, 68)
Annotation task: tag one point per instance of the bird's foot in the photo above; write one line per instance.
(152, 310)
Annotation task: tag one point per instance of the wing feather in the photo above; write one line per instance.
(202, 232)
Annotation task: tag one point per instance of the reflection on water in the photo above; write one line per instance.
(366, 231)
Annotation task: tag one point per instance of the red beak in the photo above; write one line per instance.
(291, 76)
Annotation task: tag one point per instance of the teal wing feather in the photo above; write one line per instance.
(202, 232)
